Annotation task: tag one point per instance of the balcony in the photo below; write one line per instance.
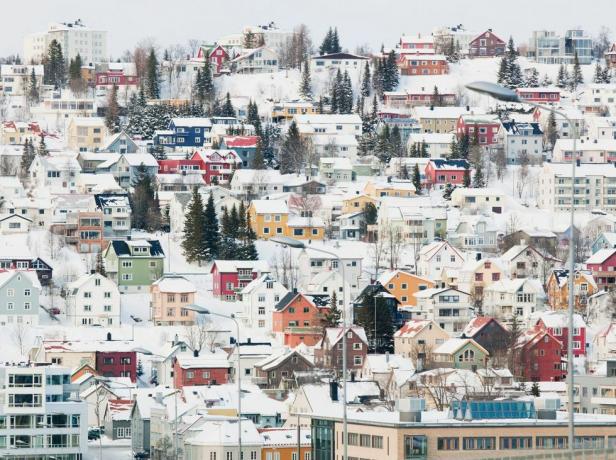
(244, 276)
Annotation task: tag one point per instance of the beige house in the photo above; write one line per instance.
(441, 119)
(86, 134)
(169, 295)
(417, 339)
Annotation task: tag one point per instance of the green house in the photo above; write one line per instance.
(461, 354)
(134, 264)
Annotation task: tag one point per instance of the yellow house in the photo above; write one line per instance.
(86, 134)
(394, 189)
(270, 218)
(285, 111)
(418, 338)
(357, 203)
(404, 285)
(483, 273)
(584, 286)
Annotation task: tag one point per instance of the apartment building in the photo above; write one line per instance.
(548, 47)
(40, 415)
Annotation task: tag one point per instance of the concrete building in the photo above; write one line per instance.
(546, 47)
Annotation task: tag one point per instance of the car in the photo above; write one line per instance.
(142, 455)
(54, 311)
(94, 434)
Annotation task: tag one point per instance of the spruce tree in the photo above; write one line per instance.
(258, 161)
(453, 149)
(27, 157)
(437, 100)
(326, 45)
(100, 264)
(546, 81)
(365, 310)
(335, 48)
(152, 76)
(478, 179)
(144, 202)
(562, 79)
(598, 77)
(33, 91)
(345, 95)
(55, 68)
(227, 109)
(42, 147)
(248, 249)
(390, 74)
(333, 316)
(366, 82)
(112, 115)
(467, 177)
(416, 179)
(551, 131)
(211, 234)
(293, 152)
(378, 77)
(336, 93)
(503, 71)
(532, 80)
(576, 78)
(252, 117)
(192, 242)
(305, 89)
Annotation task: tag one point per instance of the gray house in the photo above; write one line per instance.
(19, 298)
(117, 418)
(144, 399)
(120, 143)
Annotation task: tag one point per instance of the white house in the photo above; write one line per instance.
(258, 60)
(520, 139)
(335, 145)
(54, 174)
(588, 150)
(330, 282)
(258, 299)
(475, 232)
(450, 308)
(335, 169)
(524, 261)
(16, 78)
(14, 223)
(93, 299)
(488, 199)
(335, 61)
(255, 182)
(329, 124)
(437, 145)
(218, 439)
(436, 257)
(520, 297)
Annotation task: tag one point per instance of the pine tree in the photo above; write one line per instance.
(413, 152)
(326, 46)
(252, 118)
(365, 82)
(416, 179)
(467, 178)
(100, 264)
(258, 161)
(333, 316)
(335, 48)
(320, 106)
(562, 79)
(464, 146)
(227, 109)
(211, 234)
(55, 68)
(305, 89)
(33, 91)
(27, 157)
(152, 76)
(365, 310)
(248, 250)
(395, 142)
(293, 151)
(345, 95)
(404, 171)
(534, 390)
(453, 149)
(437, 100)
(598, 77)
(192, 243)
(112, 115)
(551, 131)
(576, 78)
(145, 209)
(532, 80)
(607, 78)
(503, 71)
(390, 74)
(478, 179)
(42, 147)
(377, 78)
(546, 81)
(336, 93)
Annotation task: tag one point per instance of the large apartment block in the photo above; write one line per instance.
(40, 415)
(595, 187)
(546, 47)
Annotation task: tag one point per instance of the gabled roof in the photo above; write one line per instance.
(340, 56)
(334, 334)
(413, 327)
(387, 276)
(601, 256)
(276, 360)
(438, 163)
(232, 266)
(451, 346)
(174, 283)
(111, 199)
(476, 324)
(192, 122)
(316, 300)
(515, 128)
(121, 248)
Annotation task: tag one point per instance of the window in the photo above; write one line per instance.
(261, 311)
(353, 439)
(516, 442)
(551, 442)
(27, 305)
(487, 443)
(448, 443)
(205, 375)
(357, 346)
(357, 360)
(10, 306)
(10, 292)
(127, 264)
(377, 442)
(415, 447)
(127, 276)
(26, 292)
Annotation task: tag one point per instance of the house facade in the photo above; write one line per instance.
(229, 277)
(194, 369)
(423, 64)
(19, 298)
(486, 44)
(134, 264)
(440, 172)
(170, 294)
(299, 318)
(259, 298)
(328, 352)
(93, 300)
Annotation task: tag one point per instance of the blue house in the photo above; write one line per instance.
(607, 240)
(120, 143)
(244, 146)
(184, 132)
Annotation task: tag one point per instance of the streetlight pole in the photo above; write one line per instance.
(505, 94)
(293, 243)
(205, 311)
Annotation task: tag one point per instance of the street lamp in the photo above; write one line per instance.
(293, 243)
(508, 95)
(205, 311)
(135, 319)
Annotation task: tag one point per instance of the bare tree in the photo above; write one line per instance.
(193, 46)
(7, 166)
(196, 336)
(19, 335)
(394, 242)
(377, 252)
(140, 55)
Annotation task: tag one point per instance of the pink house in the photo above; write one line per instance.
(557, 324)
(602, 265)
(485, 127)
(170, 294)
(231, 276)
(416, 44)
(219, 164)
(441, 172)
(543, 95)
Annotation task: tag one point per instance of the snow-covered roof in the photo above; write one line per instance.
(298, 221)
(6, 276)
(476, 324)
(431, 138)
(336, 162)
(249, 176)
(556, 319)
(119, 409)
(137, 159)
(413, 327)
(270, 206)
(284, 437)
(175, 284)
(203, 361)
(335, 333)
(201, 122)
(383, 363)
(452, 113)
(450, 346)
(232, 266)
(601, 255)
(225, 433)
(327, 119)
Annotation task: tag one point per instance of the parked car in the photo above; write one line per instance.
(54, 311)
(142, 455)
(94, 434)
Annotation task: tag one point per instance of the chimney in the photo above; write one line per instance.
(108, 336)
(92, 272)
(478, 256)
(196, 353)
(468, 108)
(176, 339)
(128, 238)
(249, 340)
(333, 391)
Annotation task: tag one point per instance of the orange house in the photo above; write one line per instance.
(300, 318)
(81, 371)
(584, 286)
(281, 444)
(404, 285)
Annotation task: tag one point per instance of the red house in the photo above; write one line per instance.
(416, 44)
(217, 55)
(423, 97)
(602, 265)
(299, 318)
(117, 364)
(440, 172)
(539, 356)
(423, 64)
(217, 165)
(117, 78)
(540, 95)
(192, 369)
(485, 127)
(179, 166)
(557, 324)
(231, 276)
(328, 352)
(486, 45)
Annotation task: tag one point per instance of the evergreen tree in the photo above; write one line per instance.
(293, 151)
(100, 264)
(449, 188)
(320, 106)
(253, 118)
(145, 209)
(211, 234)
(326, 46)
(152, 76)
(404, 172)
(413, 152)
(269, 141)
(333, 316)
(369, 307)
(112, 115)
(598, 77)
(227, 109)
(503, 71)
(33, 91)
(464, 146)
(42, 147)
(192, 243)
(258, 161)
(551, 131)
(437, 100)
(534, 390)
(366, 82)
(55, 67)
(336, 93)
(416, 179)
(207, 82)
(390, 72)
(395, 142)
(546, 81)
(576, 78)
(27, 157)
(562, 79)
(453, 150)
(478, 179)
(139, 368)
(467, 178)
(345, 95)
(383, 146)
(532, 80)
(305, 89)
(335, 48)
(377, 78)
(607, 78)
(248, 250)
